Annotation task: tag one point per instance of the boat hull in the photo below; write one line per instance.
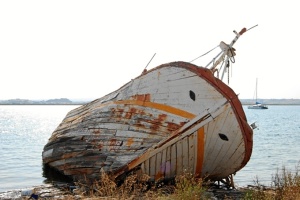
(172, 119)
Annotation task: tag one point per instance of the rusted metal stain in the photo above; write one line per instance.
(172, 126)
(140, 118)
(129, 142)
(142, 97)
(157, 123)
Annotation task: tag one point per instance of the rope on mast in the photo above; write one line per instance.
(204, 54)
(252, 27)
(145, 70)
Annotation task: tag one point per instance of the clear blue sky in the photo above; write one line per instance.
(86, 49)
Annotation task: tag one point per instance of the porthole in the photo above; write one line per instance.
(192, 95)
(223, 136)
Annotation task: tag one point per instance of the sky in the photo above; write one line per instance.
(86, 49)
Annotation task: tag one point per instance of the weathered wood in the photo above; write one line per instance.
(173, 160)
(168, 169)
(153, 122)
(164, 164)
(152, 167)
(159, 174)
(179, 158)
(191, 155)
(185, 154)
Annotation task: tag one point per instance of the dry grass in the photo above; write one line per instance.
(285, 185)
(188, 187)
(136, 187)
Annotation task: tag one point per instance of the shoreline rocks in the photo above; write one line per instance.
(45, 191)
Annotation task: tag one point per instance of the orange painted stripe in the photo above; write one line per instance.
(157, 106)
(200, 151)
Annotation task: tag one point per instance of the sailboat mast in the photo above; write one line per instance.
(256, 91)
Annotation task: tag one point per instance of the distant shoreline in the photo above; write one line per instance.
(61, 101)
(65, 101)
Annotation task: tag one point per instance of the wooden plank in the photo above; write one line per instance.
(168, 162)
(200, 152)
(120, 161)
(179, 157)
(230, 151)
(191, 156)
(147, 167)
(158, 170)
(218, 143)
(210, 144)
(173, 160)
(152, 165)
(235, 160)
(135, 134)
(164, 162)
(185, 155)
(143, 167)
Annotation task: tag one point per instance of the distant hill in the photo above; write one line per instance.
(61, 101)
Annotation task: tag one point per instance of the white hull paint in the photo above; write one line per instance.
(177, 117)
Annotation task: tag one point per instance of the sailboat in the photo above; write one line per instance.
(177, 117)
(257, 104)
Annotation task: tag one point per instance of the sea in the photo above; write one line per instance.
(25, 129)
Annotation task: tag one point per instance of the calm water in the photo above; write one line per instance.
(24, 130)
(276, 143)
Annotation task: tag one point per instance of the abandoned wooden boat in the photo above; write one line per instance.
(175, 118)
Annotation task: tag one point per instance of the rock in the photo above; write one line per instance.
(46, 191)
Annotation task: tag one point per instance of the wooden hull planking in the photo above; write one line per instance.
(174, 118)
